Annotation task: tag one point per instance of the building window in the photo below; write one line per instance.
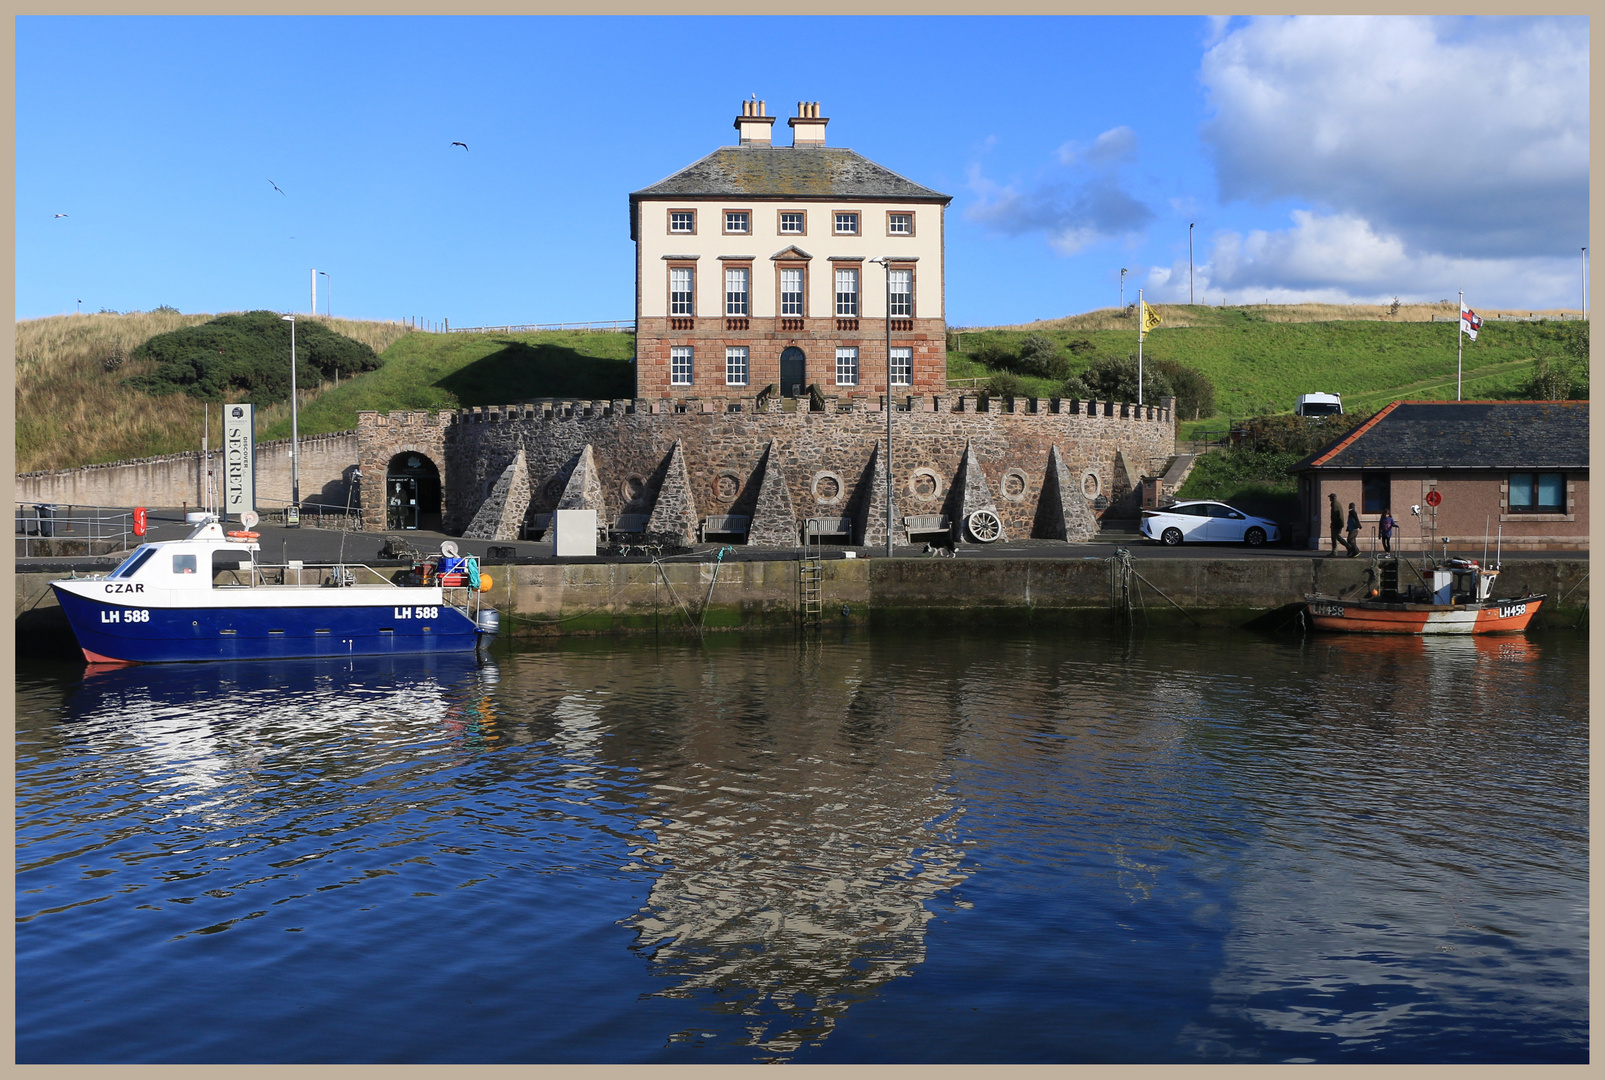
(680, 365)
(902, 367)
(846, 367)
(847, 293)
(1374, 492)
(846, 224)
(902, 287)
(681, 297)
(737, 221)
(735, 291)
(791, 292)
(1537, 493)
(899, 224)
(735, 366)
(682, 221)
(793, 222)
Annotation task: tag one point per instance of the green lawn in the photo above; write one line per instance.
(1261, 366)
(449, 371)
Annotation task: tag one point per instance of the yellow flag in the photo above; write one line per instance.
(1150, 317)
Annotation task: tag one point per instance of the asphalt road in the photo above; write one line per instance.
(330, 546)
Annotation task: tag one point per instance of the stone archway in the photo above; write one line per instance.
(412, 492)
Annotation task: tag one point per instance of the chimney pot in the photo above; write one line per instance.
(807, 127)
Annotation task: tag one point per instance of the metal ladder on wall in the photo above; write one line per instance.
(811, 573)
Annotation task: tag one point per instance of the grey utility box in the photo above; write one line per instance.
(575, 531)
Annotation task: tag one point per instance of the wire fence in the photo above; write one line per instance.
(614, 325)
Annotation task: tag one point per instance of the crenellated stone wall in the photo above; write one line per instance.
(1040, 464)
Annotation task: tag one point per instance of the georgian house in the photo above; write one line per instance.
(772, 266)
(1512, 470)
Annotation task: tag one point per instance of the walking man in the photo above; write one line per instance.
(1336, 516)
(1353, 530)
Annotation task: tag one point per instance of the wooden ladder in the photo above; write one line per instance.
(811, 577)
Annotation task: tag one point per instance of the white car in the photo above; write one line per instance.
(1207, 521)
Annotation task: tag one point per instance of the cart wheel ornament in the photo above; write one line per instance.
(985, 526)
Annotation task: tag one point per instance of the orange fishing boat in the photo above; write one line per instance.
(1454, 597)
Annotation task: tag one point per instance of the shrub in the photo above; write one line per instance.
(1115, 379)
(1040, 356)
(1005, 384)
(247, 356)
(1195, 394)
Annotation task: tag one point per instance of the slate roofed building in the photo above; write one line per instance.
(760, 265)
(1513, 468)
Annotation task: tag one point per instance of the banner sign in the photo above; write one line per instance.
(239, 460)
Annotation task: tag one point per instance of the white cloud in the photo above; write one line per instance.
(1082, 205)
(1448, 139)
(1341, 258)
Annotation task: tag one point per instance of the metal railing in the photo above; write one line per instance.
(315, 515)
(616, 325)
(47, 529)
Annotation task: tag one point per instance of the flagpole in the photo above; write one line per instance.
(1142, 313)
(1460, 340)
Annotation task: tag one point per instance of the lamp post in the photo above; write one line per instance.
(891, 406)
(328, 301)
(292, 515)
(1189, 262)
(1122, 288)
(1585, 284)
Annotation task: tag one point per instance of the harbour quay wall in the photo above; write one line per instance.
(677, 596)
(175, 479)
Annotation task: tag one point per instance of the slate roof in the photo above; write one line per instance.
(1463, 435)
(787, 172)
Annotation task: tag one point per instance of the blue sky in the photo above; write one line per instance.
(1345, 159)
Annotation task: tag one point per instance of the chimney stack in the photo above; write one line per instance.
(808, 127)
(753, 125)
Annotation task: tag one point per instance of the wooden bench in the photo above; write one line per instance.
(926, 525)
(725, 525)
(629, 525)
(829, 526)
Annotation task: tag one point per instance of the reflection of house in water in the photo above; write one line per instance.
(796, 855)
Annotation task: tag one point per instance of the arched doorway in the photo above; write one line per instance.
(793, 371)
(412, 492)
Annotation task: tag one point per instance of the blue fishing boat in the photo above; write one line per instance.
(209, 597)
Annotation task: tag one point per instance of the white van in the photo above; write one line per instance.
(1319, 405)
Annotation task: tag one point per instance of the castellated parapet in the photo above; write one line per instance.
(1045, 465)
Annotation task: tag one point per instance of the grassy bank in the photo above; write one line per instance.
(1260, 359)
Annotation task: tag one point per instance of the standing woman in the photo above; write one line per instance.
(1353, 529)
(1386, 527)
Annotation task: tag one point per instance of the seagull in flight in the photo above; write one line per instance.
(61, 215)
(278, 189)
(461, 144)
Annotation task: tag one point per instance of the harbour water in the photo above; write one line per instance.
(866, 848)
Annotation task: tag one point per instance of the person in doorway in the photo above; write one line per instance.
(1386, 527)
(1336, 514)
(1353, 530)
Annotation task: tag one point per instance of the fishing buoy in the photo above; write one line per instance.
(485, 583)
(242, 535)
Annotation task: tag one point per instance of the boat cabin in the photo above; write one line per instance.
(207, 559)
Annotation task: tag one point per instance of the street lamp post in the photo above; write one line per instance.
(1189, 262)
(328, 301)
(292, 515)
(1122, 288)
(891, 406)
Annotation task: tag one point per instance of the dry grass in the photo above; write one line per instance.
(1201, 315)
(72, 410)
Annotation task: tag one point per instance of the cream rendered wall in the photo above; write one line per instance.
(765, 240)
